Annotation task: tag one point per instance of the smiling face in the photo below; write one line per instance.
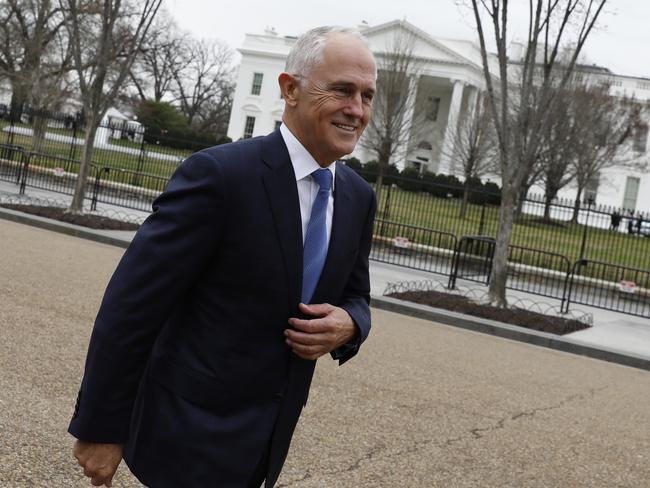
(328, 108)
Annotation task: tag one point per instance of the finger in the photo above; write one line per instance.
(312, 326)
(308, 352)
(306, 338)
(315, 309)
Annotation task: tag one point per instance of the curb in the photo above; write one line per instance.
(446, 317)
(62, 227)
(507, 331)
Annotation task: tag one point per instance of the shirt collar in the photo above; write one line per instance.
(303, 163)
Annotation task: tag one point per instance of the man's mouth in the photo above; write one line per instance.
(346, 127)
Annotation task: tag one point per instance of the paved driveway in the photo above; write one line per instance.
(424, 405)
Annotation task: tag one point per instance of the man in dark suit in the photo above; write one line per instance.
(253, 264)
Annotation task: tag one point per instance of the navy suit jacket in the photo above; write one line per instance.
(187, 364)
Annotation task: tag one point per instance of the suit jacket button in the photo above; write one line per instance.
(277, 397)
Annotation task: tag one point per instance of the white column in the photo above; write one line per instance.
(452, 125)
(401, 151)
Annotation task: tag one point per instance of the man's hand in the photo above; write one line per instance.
(314, 338)
(100, 461)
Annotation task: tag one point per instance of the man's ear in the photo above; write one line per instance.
(289, 88)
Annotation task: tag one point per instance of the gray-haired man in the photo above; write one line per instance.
(253, 265)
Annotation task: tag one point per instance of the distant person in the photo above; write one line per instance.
(630, 222)
(616, 220)
(639, 223)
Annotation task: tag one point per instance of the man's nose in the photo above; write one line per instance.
(354, 107)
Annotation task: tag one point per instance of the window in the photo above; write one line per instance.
(640, 138)
(432, 108)
(278, 123)
(257, 83)
(631, 192)
(248, 127)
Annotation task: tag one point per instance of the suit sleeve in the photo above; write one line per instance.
(356, 296)
(163, 260)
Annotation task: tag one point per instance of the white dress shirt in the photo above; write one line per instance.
(303, 166)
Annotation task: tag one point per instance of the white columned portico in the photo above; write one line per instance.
(401, 151)
(445, 165)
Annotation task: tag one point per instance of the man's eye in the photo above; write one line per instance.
(367, 97)
(341, 90)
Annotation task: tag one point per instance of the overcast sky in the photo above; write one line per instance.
(621, 43)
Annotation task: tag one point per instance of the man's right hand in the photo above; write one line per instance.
(100, 461)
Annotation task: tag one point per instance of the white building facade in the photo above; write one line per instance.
(448, 80)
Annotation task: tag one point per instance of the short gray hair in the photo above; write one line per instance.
(307, 52)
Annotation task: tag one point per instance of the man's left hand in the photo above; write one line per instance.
(331, 328)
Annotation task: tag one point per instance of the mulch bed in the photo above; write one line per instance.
(514, 316)
(85, 220)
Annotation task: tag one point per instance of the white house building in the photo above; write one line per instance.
(449, 78)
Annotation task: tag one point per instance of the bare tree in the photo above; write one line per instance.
(105, 37)
(522, 104)
(471, 146)
(605, 127)
(32, 51)
(205, 86)
(165, 53)
(392, 125)
(558, 149)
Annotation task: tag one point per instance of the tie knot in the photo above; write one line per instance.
(324, 178)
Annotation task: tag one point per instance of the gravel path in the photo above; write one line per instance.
(424, 405)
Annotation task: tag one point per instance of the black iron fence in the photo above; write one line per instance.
(576, 231)
(422, 224)
(118, 143)
(529, 270)
(115, 186)
(413, 247)
(590, 284)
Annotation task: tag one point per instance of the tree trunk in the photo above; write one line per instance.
(576, 206)
(548, 201)
(464, 203)
(523, 194)
(18, 101)
(38, 136)
(76, 207)
(499, 275)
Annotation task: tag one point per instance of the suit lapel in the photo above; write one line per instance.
(282, 194)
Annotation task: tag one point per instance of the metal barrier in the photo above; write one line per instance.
(472, 260)
(54, 173)
(413, 247)
(591, 283)
(538, 272)
(119, 189)
(11, 161)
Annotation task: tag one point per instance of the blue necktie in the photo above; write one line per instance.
(315, 247)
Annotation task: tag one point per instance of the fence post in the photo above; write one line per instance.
(481, 224)
(135, 181)
(73, 143)
(567, 301)
(454, 265)
(23, 174)
(584, 233)
(93, 202)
